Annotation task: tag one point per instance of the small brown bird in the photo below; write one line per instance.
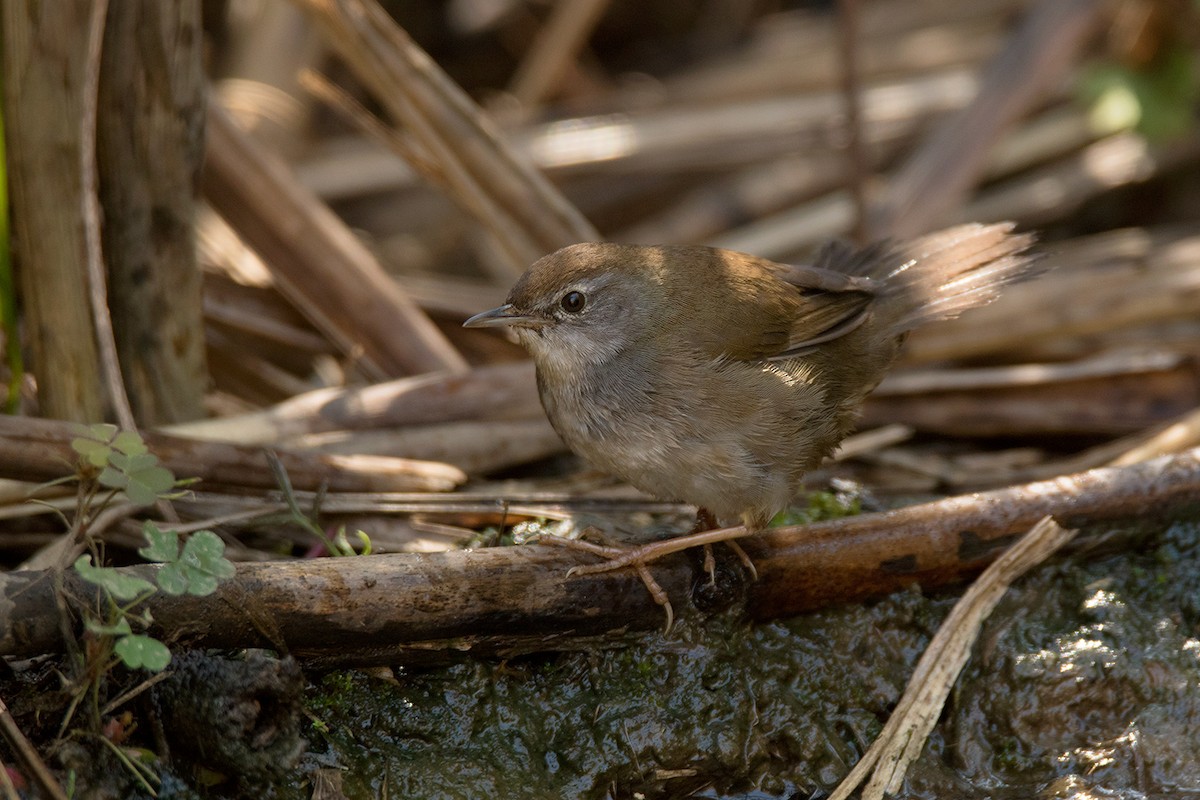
(719, 378)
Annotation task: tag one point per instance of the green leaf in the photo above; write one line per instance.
(173, 579)
(100, 432)
(95, 453)
(197, 569)
(113, 478)
(209, 553)
(341, 545)
(162, 545)
(122, 587)
(201, 566)
(120, 629)
(130, 464)
(93, 443)
(129, 443)
(144, 652)
(145, 485)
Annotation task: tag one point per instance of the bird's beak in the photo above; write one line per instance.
(504, 316)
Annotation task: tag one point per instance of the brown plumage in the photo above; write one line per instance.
(718, 378)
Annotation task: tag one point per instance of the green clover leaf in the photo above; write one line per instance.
(145, 652)
(162, 545)
(129, 443)
(173, 579)
(199, 567)
(95, 453)
(93, 443)
(122, 587)
(140, 476)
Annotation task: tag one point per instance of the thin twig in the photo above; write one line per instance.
(10, 791)
(125, 697)
(360, 116)
(28, 756)
(131, 766)
(556, 45)
(97, 280)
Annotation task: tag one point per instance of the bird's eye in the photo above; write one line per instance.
(573, 302)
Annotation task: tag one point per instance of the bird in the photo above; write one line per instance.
(719, 378)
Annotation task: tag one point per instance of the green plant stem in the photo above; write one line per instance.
(134, 768)
(69, 715)
(297, 514)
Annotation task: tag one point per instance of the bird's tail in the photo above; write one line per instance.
(937, 276)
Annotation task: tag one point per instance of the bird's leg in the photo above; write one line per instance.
(611, 552)
(703, 534)
(707, 521)
(618, 557)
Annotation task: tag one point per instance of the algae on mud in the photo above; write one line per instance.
(1087, 676)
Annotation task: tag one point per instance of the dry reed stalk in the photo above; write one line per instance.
(1031, 66)
(318, 263)
(506, 194)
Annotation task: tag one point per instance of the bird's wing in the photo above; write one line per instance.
(770, 311)
(832, 303)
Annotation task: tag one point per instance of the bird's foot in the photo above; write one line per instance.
(618, 557)
(707, 521)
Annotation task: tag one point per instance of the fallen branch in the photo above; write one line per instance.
(28, 756)
(1112, 394)
(397, 608)
(507, 390)
(40, 450)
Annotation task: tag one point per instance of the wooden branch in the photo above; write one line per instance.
(794, 52)
(733, 133)
(505, 390)
(40, 450)
(744, 131)
(850, 56)
(791, 232)
(396, 608)
(97, 275)
(318, 263)
(263, 315)
(1107, 395)
(1055, 191)
(474, 447)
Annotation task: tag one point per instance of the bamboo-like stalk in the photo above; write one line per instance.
(318, 262)
(513, 201)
